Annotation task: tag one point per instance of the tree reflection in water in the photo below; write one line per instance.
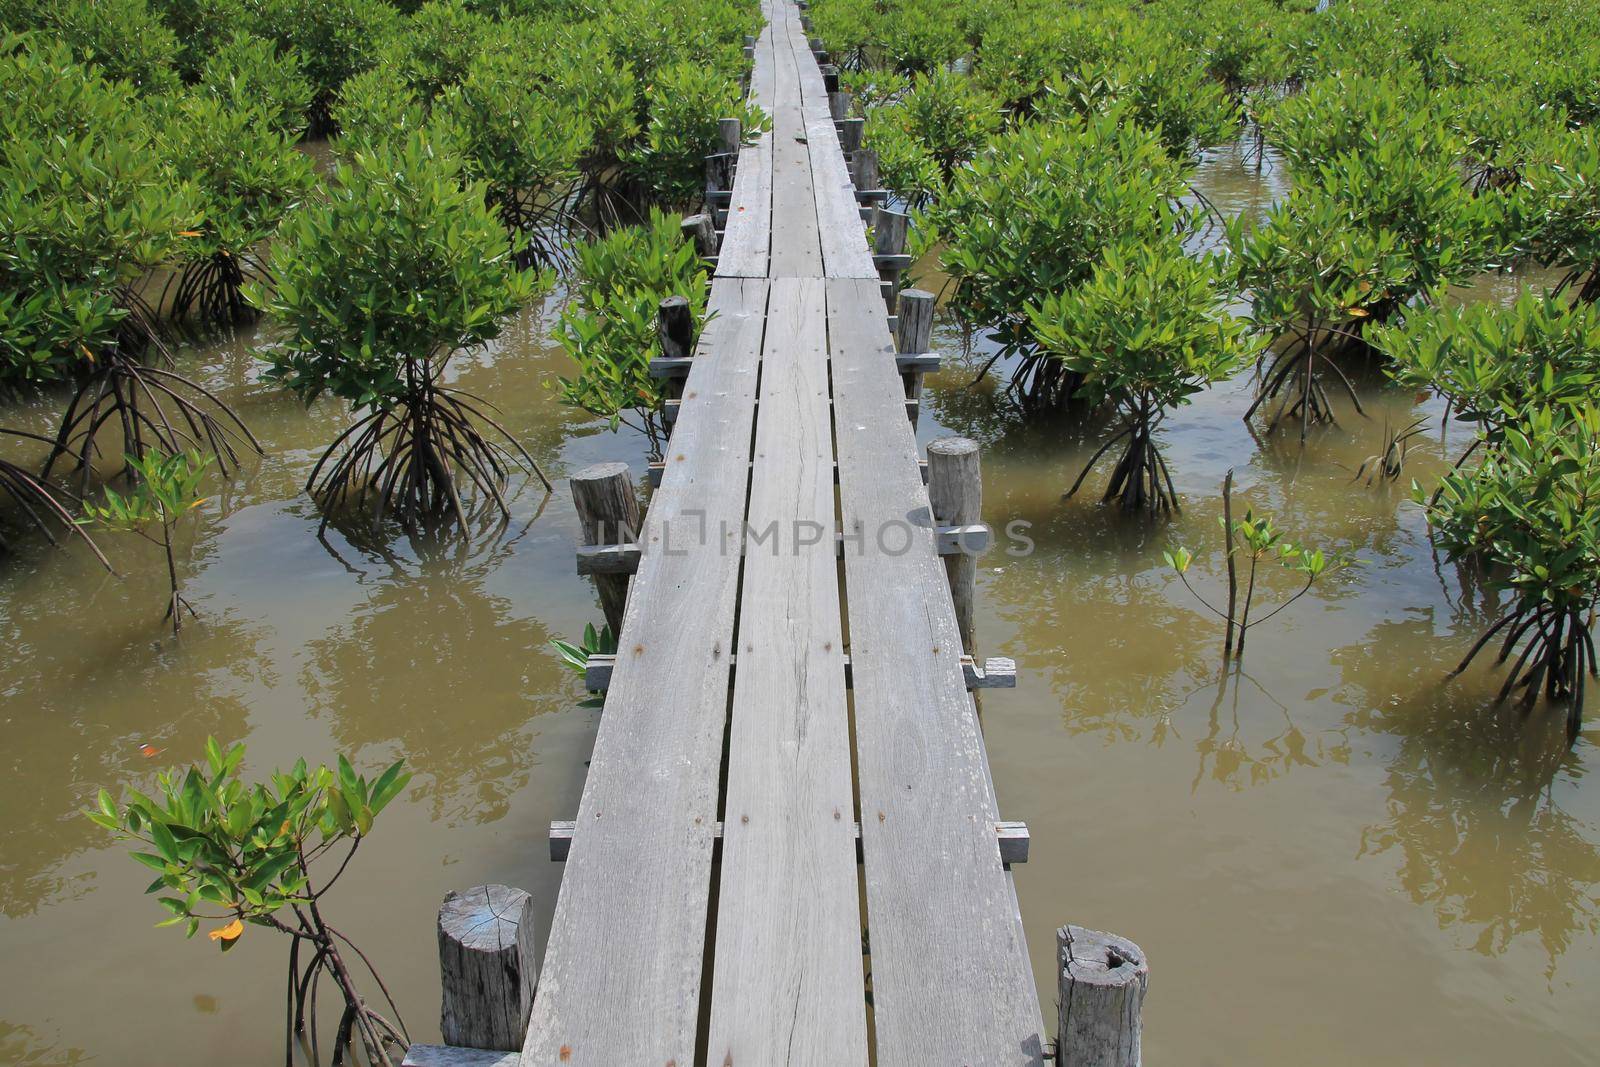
(1474, 813)
(458, 700)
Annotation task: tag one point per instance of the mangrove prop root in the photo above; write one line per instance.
(153, 406)
(413, 460)
(1554, 653)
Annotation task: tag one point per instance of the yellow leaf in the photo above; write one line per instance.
(1360, 313)
(230, 932)
(190, 233)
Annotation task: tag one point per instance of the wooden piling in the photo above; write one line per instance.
(702, 230)
(850, 131)
(955, 489)
(830, 77)
(913, 332)
(839, 105)
(488, 967)
(730, 135)
(609, 510)
(890, 230)
(675, 334)
(675, 327)
(1103, 982)
(719, 172)
(864, 171)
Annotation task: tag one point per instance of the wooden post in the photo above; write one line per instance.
(913, 331)
(839, 104)
(1103, 982)
(675, 327)
(864, 169)
(830, 77)
(889, 232)
(955, 489)
(609, 511)
(850, 131)
(702, 230)
(730, 135)
(488, 967)
(675, 332)
(719, 171)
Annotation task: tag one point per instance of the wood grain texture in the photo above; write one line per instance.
(608, 509)
(1104, 979)
(747, 237)
(621, 983)
(488, 967)
(950, 973)
(844, 235)
(796, 239)
(788, 982)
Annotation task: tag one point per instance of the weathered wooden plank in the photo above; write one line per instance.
(788, 985)
(763, 80)
(844, 237)
(950, 973)
(796, 240)
(747, 237)
(809, 76)
(622, 975)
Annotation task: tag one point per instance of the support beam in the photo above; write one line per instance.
(1011, 838)
(997, 672)
(669, 410)
(654, 472)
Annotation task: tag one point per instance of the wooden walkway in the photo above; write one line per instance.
(713, 908)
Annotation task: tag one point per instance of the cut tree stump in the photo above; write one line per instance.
(488, 967)
(1103, 982)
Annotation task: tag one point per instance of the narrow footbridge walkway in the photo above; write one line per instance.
(787, 849)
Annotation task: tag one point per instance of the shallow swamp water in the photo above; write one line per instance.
(1331, 856)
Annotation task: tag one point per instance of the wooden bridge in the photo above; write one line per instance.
(788, 848)
(657, 954)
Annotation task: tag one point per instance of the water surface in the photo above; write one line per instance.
(1332, 855)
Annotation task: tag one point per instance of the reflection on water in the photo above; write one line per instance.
(1333, 854)
(1334, 830)
(20, 1045)
(375, 645)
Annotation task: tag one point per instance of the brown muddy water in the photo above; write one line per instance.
(1331, 856)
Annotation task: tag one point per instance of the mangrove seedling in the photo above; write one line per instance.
(249, 176)
(1147, 331)
(1564, 199)
(1386, 465)
(402, 266)
(165, 488)
(87, 214)
(524, 144)
(1490, 362)
(230, 855)
(1529, 510)
(1252, 543)
(1033, 214)
(610, 328)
